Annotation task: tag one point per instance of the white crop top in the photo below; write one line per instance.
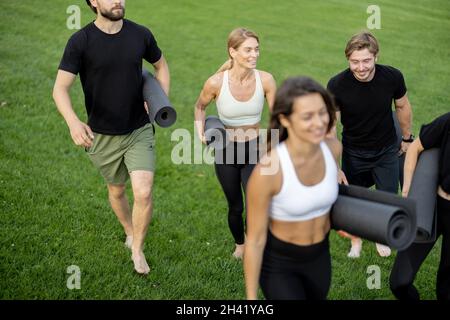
(297, 202)
(236, 113)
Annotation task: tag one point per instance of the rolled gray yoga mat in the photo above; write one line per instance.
(160, 110)
(423, 190)
(215, 133)
(375, 215)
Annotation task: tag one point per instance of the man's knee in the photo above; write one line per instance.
(116, 191)
(142, 182)
(142, 194)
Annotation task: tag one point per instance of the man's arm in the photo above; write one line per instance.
(80, 132)
(404, 116)
(162, 74)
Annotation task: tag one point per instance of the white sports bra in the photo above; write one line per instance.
(236, 113)
(297, 202)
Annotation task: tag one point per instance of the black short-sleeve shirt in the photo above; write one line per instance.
(110, 68)
(437, 135)
(366, 107)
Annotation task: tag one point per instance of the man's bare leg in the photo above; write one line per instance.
(141, 182)
(121, 207)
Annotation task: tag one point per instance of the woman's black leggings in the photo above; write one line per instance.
(234, 166)
(293, 272)
(408, 262)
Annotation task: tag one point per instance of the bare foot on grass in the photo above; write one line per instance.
(140, 264)
(383, 251)
(129, 242)
(239, 251)
(355, 251)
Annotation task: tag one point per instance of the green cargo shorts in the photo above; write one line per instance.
(116, 156)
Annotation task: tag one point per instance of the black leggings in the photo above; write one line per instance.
(234, 165)
(408, 262)
(293, 272)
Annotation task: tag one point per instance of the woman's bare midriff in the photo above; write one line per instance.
(303, 233)
(243, 133)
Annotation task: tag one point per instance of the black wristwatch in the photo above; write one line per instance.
(409, 140)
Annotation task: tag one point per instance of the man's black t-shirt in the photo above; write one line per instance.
(366, 107)
(110, 67)
(437, 135)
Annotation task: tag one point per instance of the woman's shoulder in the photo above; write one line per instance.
(215, 81)
(265, 76)
(267, 80)
(269, 162)
(267, 174)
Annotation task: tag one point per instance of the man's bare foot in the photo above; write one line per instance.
(129, 241)
(355, 251)
(239, 251)
(140, 264)
(383, 251)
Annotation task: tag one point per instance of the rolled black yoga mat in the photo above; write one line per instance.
(423, 190)
(375, 215)
(160, 110)
(215, 133)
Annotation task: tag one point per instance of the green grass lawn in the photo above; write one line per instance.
(53, 203)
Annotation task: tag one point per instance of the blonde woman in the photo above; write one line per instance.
(239, 91)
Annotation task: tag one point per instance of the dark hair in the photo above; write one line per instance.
(362, 41)
(93, 8)
(291, 89)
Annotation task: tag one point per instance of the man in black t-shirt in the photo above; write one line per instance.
(364, 93)
(407, 263)
(108, 54)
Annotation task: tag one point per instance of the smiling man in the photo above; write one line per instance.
(364, 93)
(108, 54)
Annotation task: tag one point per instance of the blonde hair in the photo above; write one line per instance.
(361, 41)
(235, 39)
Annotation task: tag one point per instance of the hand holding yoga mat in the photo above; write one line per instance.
(423, 190)
(160, 110)
(374, 215)
(215, 133)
